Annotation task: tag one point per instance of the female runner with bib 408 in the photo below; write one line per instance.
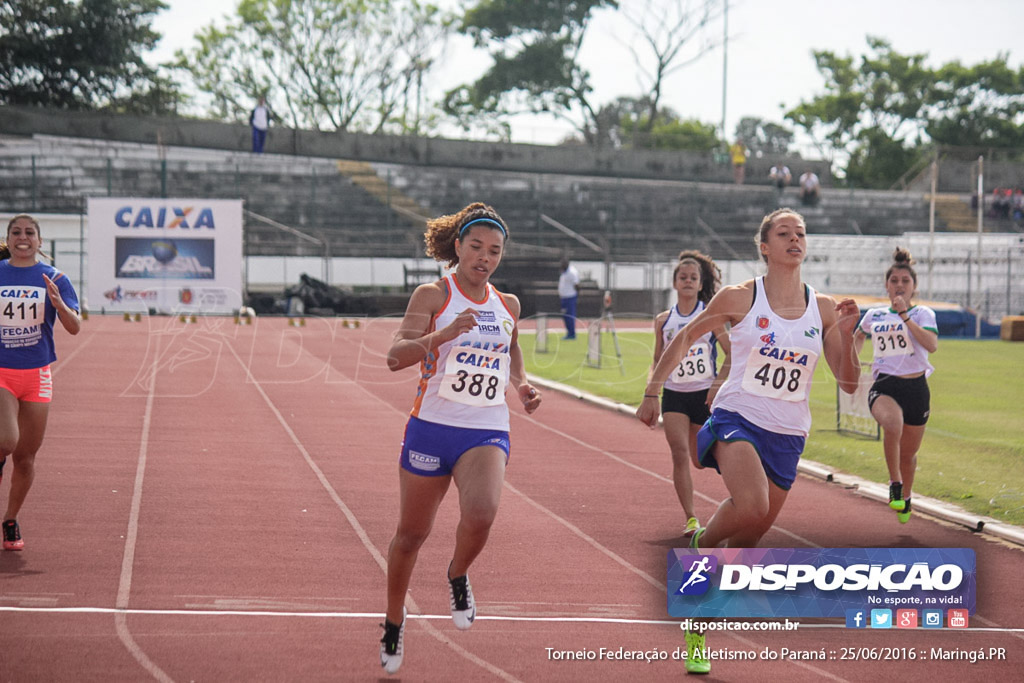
(463, 333)
(33, 296)
(760, 417)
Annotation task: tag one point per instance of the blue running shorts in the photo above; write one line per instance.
(779, 453)
(430, 449)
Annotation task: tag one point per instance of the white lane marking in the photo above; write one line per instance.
(124, 587)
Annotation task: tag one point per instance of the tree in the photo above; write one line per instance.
(79, 55)
(664, 33)
(625, 123)
(764, 138)
(977, 106)
(872, 108)
(346, 65)
(535, 45)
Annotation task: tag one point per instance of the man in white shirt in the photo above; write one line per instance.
(568, 293)
(259, 119)
(780, 176)
(810, 188)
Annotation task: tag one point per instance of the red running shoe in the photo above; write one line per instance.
(12, 536)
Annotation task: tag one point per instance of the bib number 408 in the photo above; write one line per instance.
(779, 378)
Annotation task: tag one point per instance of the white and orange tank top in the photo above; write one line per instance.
(773, 361)
(696, 370)
(463, 381)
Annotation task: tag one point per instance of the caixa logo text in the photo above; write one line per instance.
(184, 217)
(830, 577)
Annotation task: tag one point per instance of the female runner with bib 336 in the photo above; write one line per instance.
(464, 335)
(902, 336)
(33, 295)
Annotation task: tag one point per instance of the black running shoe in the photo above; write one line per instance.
(463, 606)
(896, 496)
(12, 536)
(392, 646)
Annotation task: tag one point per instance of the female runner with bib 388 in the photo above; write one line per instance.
(463, 333)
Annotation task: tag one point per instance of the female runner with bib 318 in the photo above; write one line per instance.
(33, 295)
(902, 336)
(463, 333)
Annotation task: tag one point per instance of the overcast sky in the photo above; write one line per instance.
(770, 65)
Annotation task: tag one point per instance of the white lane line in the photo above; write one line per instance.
(358, 528)
(377, 616)
(63, 362)
(124, 587)
(648, 472)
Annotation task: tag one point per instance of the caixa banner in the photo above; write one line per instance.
(817, 582)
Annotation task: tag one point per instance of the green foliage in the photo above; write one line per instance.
(535, 46)
(764, 138)
(80, 55)
(884, 110)
(973, 450)
(355, 65)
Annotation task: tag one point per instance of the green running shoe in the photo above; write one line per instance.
(896, 501)
(696, 660)
(695, 538)
(691, 527)
(904, 514)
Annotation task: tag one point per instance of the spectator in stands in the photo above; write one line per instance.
(259, 120)
(1018, 205)
(780, 177)
(568, 294)
(810, 188)
(739, 153)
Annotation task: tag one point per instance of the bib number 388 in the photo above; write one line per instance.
(786, 377)
(474, 377)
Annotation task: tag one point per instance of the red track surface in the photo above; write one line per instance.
(232, 490)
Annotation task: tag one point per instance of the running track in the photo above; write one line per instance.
(213, 502)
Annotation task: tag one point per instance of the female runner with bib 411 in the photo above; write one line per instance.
(33, 296)
(463, 333)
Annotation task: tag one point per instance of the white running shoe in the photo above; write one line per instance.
(463, 606)
(392, 646)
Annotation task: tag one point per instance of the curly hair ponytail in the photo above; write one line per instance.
(710, 274)
(444, 230)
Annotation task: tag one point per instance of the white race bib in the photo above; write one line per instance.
(696, 365)
(22, 313)
(891, 340)
(474, 377)
(785, 374)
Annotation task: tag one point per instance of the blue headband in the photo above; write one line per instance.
(493, 222)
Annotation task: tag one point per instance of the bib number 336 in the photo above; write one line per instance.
(474, 377)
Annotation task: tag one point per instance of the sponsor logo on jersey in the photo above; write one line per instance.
(768, 339)
(785, 355)
(763, 322)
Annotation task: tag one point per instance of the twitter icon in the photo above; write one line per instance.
(881, 618)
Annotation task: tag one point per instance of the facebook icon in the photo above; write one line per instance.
(856, 618)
